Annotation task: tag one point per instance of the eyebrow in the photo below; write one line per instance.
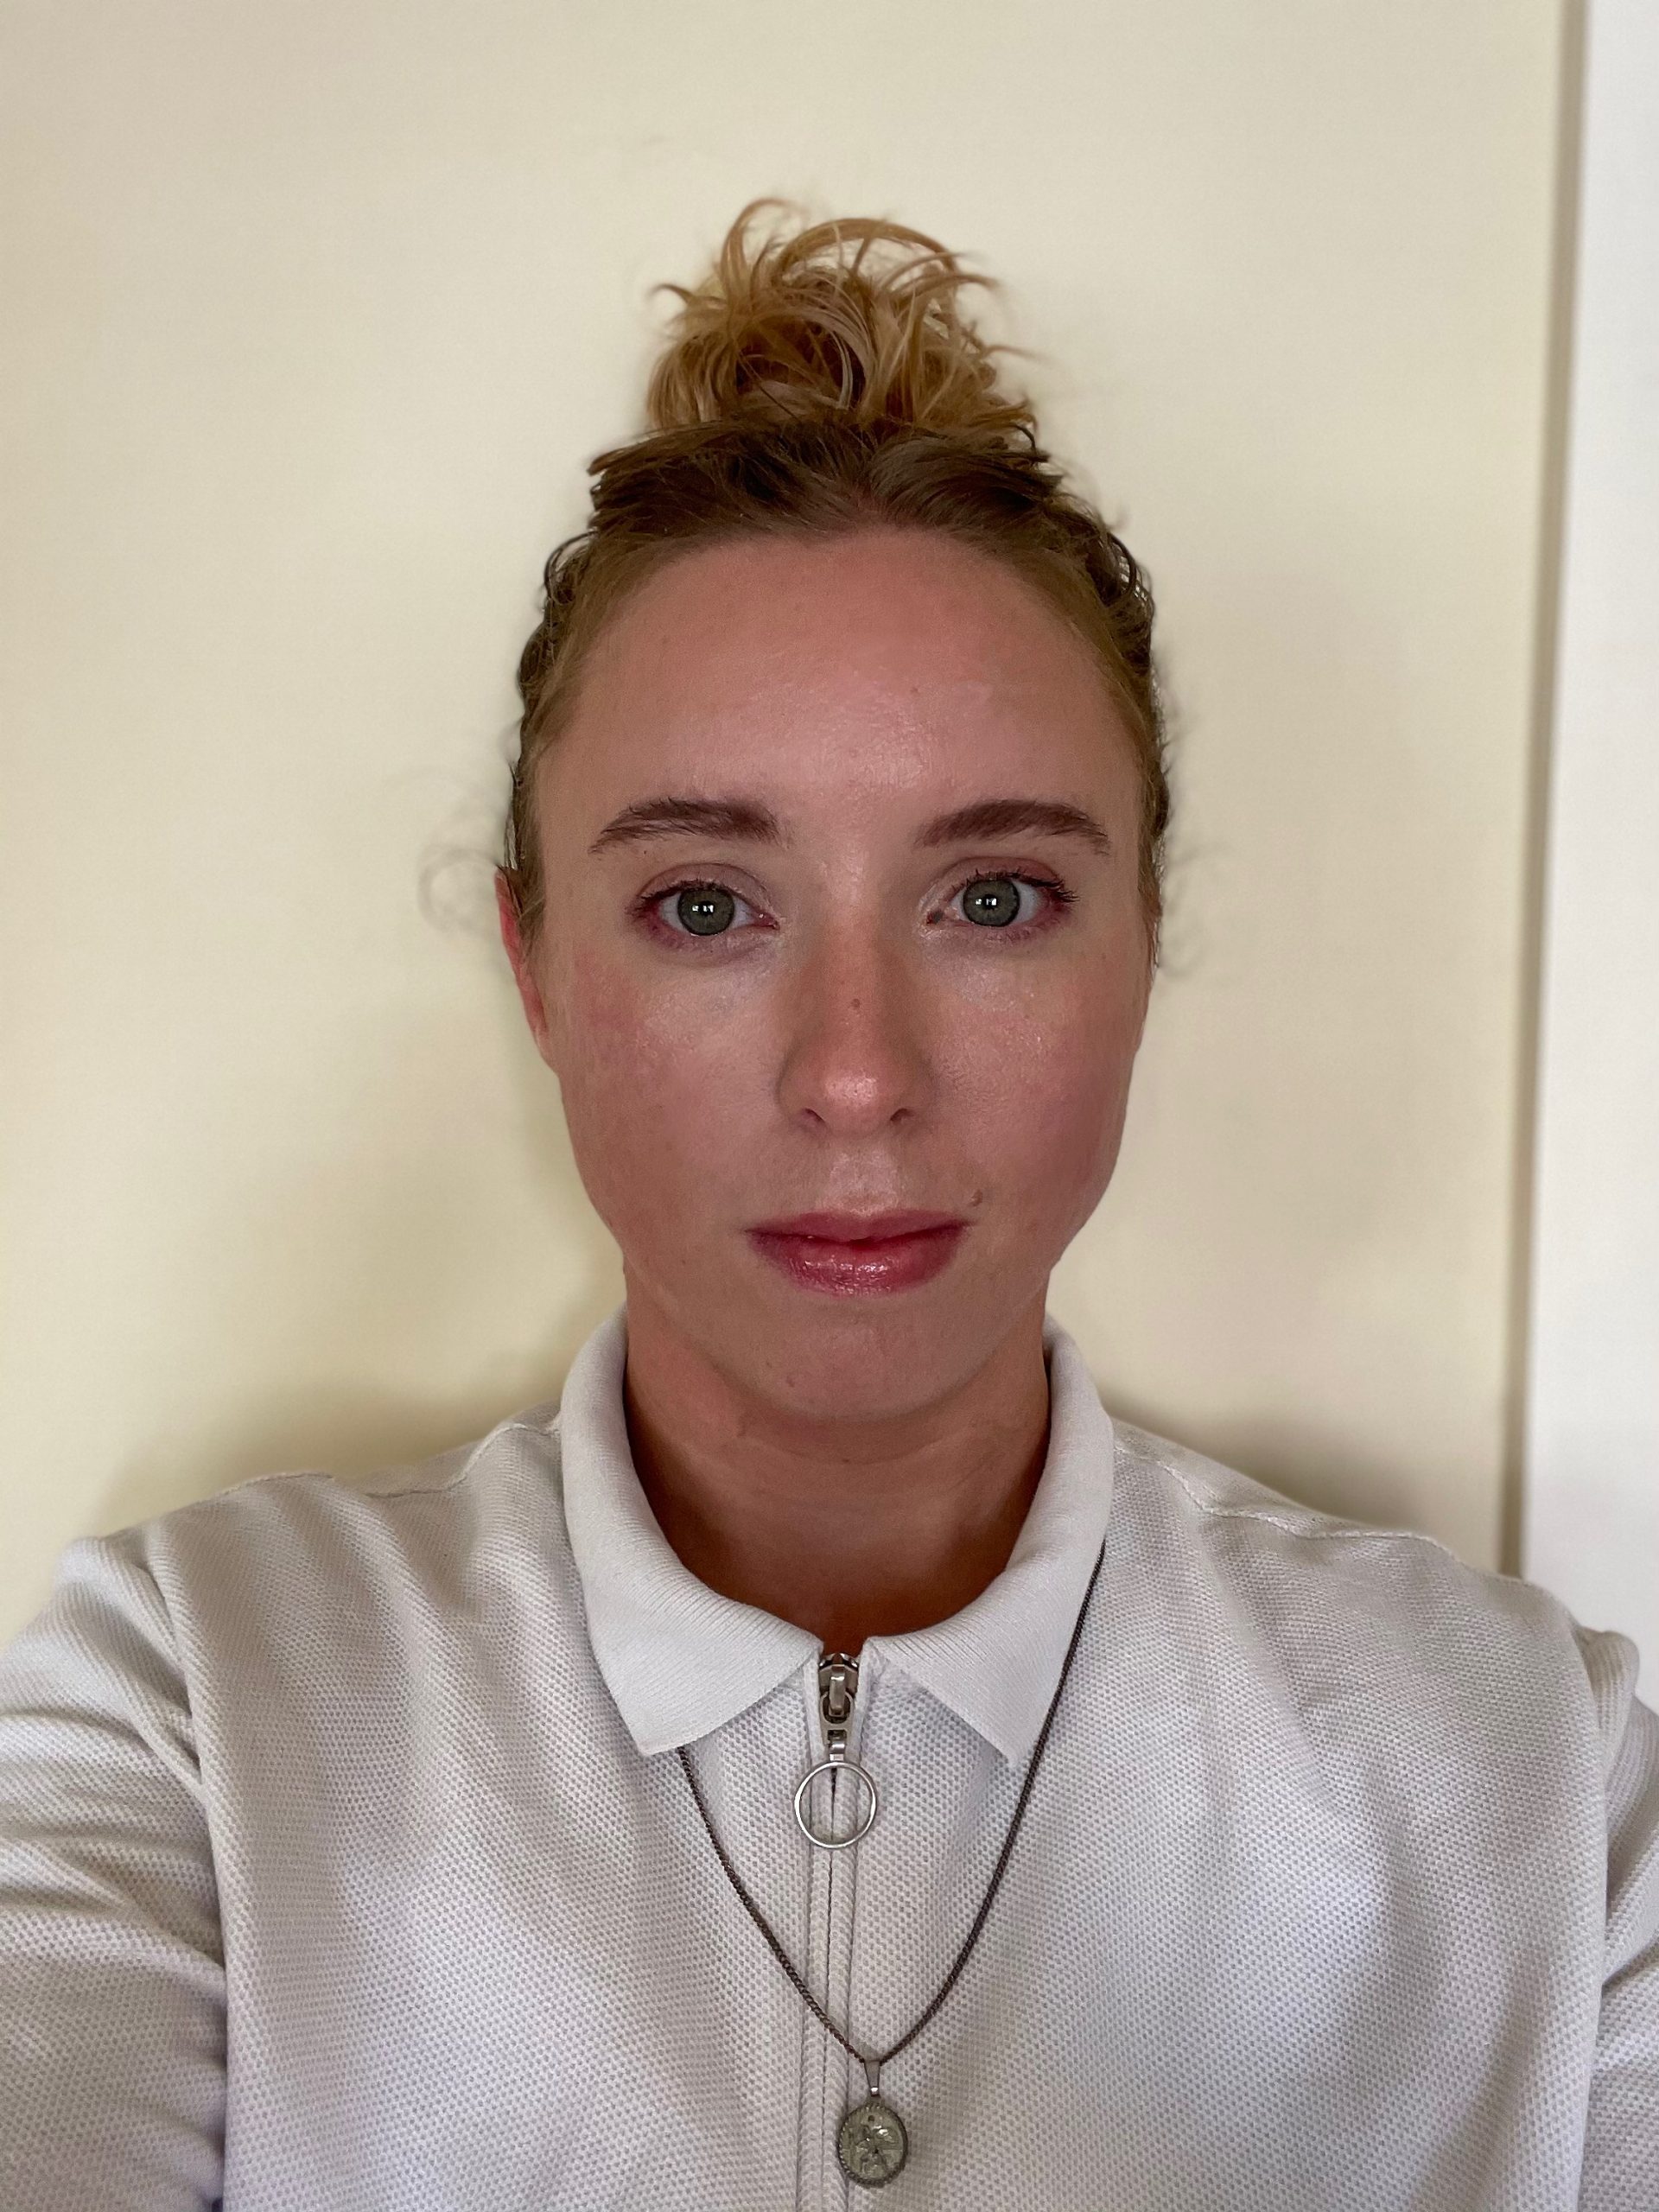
(668, 817)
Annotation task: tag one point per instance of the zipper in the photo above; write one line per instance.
(837, 1695)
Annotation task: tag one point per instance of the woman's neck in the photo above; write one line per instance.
(847, 1529)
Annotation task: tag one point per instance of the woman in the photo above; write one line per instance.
(824, 1753)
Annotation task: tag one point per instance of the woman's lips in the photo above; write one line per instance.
(850, 1258)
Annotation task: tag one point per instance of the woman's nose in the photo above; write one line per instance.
(854, 1059)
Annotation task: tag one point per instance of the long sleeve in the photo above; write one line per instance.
(1621, 2153)
(111, 1971)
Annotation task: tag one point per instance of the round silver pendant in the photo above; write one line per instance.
(872, 2144)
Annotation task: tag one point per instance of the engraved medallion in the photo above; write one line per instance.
(872, 2144)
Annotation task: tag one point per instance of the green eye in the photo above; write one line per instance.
(992, 900)
(705, 909)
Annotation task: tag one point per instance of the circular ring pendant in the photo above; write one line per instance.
(838, 1842)
(872, 2144)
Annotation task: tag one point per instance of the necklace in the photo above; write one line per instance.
(872, 2142)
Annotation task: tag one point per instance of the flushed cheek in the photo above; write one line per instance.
(659, 1099)
(1040, 1101)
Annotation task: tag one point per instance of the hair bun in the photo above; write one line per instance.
(857, 318)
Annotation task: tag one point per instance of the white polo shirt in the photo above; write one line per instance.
(347, 1864)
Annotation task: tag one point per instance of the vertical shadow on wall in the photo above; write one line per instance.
(1569, 137)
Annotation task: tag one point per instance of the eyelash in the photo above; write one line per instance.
(1058, 896)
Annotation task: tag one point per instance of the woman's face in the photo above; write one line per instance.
(842, 918)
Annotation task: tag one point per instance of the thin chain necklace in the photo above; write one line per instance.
(872, 2143)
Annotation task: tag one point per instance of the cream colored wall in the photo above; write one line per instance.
(313, 315)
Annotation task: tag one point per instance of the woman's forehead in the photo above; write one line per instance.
(881, 605)
(889, 664)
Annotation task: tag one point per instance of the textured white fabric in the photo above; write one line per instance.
(346, 1865)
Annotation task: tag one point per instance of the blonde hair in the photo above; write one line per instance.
(817, 382)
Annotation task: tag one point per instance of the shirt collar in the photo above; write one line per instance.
(680, 1660)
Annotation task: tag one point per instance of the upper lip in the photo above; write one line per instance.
(858, 1228)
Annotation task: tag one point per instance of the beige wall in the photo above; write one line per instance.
(313, 314)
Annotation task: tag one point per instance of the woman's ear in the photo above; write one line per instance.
(518, 959)
(1146, 995)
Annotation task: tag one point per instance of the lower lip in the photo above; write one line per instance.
(877, 1264)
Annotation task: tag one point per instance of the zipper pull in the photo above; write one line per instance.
(837, 1687)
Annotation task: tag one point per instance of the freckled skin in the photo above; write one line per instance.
(852, 1041)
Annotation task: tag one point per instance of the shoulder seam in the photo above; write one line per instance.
(501, 1428)
(410, 1489)
(1340, 1526)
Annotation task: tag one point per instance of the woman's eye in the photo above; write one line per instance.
(995, 902)
(699, 908)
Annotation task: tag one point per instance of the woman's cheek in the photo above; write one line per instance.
(1048, 1097)
(652, 1089)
